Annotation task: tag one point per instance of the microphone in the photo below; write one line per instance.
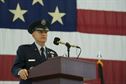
(57, 42)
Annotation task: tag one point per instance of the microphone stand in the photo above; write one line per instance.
(68, 48)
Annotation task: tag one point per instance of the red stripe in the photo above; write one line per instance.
(114, 71)
(6, 62)
(101, 22)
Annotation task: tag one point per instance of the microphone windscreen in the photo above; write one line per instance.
(56, 40)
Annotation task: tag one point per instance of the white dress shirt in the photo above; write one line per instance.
(39, 49)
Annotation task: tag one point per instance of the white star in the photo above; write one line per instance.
(57, 16)
(2, 1)
(18, 13)
(39, 1)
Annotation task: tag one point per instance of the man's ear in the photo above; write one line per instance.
(33, 35)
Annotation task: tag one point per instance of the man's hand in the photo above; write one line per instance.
(23, 73)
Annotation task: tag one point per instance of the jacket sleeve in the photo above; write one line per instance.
(19, 62)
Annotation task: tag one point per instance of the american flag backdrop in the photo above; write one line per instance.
(94, 25)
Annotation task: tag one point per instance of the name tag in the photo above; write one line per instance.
(31, 60)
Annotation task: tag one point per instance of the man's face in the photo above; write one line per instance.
(40, 36)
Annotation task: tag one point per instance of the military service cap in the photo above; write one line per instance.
(41, 25)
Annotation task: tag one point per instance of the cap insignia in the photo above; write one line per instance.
(43, 22)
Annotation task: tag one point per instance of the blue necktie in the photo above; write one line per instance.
(42, 53)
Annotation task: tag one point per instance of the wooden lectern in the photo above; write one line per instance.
(62, 70)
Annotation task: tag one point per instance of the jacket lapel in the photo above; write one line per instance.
(48, 53)
(35, 50)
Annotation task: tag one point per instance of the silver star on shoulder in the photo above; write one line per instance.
(18, 13)
(38, 1)
(57, 16)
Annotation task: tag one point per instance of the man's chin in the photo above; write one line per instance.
(42, 41)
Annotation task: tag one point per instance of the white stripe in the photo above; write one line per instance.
(108, 5)
(111, 46)
(9, 82)
(10, 39)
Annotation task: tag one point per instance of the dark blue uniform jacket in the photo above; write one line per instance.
(28, 56)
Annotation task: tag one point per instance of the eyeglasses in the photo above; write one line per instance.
(42, 31)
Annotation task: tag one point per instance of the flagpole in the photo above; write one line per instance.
(100, 68)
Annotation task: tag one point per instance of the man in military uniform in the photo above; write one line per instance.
(31, 55)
